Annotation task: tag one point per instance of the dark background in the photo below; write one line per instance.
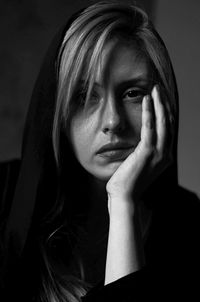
(26, 29)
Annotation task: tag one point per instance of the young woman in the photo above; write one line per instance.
(98, 214)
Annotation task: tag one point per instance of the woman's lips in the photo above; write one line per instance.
(114, 152)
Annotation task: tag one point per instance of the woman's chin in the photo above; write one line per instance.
(105, 173)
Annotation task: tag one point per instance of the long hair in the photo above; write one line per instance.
(77, 61)
(82, 47)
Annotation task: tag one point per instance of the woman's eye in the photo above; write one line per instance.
(82, 98)
(93, 98)
(133, 95)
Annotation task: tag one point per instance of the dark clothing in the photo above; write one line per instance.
(172, 255)
(46, 200)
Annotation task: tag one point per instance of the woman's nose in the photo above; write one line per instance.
(113, 117)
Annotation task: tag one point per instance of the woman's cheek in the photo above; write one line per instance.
(81, 136)
(134, 118)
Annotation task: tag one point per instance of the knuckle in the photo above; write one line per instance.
(149, 151)
(160, 157)
(158, 160)
(149, 123)
(172, 119)
(164, 158)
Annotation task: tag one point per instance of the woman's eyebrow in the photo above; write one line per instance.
(141, 80)
(136, 80)
(95, 84)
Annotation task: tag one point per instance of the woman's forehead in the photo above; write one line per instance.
(120, 61)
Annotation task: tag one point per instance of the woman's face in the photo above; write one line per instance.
(107, 129)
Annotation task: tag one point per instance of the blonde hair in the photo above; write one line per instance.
(83, 44)
(77, 60)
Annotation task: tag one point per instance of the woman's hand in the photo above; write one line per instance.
(152, 155)
(125, 252)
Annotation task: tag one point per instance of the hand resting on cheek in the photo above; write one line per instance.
(150, 158)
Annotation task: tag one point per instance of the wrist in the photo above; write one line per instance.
(122, 206)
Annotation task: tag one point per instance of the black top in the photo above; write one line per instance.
(171, 249)
(172, 253)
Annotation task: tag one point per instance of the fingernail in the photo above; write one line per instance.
(147, 97)
(157, 87)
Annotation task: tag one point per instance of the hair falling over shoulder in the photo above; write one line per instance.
(79, 53)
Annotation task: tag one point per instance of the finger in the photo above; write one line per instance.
(148, 123)
(172, 134)
(161, 121)
(170, 118)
